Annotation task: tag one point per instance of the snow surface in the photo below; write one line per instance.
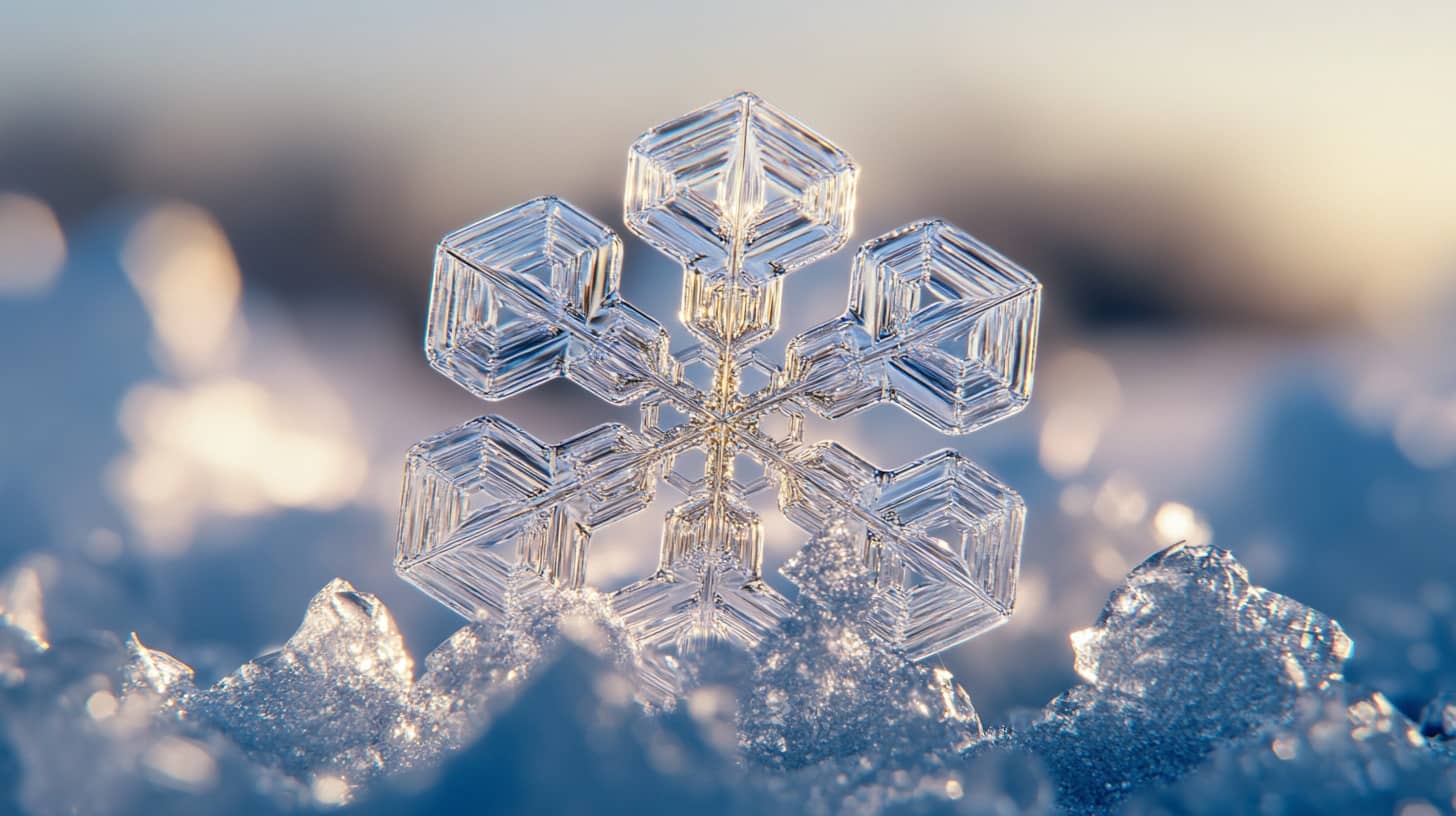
(1202, 693)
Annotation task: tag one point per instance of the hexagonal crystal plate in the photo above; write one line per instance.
(486, 500)
(938, 322)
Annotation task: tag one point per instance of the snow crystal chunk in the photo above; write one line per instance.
(323, 702)
(572, 740)
(984, 782)
(1438, 721)
(339, 705)
(1341, 751)
(155, 670)
(830, 571)
(475, 673)
(1186, 653)
(1186, 602)
(825, 686)
(79, 737)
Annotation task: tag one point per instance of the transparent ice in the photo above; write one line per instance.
(1341, 750)
(1187, 654)
(740, 194)
(813, 677)
(346, 636)
(340, 702)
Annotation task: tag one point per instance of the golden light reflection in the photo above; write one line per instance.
(21, 604)
(101, 705)
(1109, 563)
(218, 443)
(1174, 522)
(32, 246)
(329, 790)
(183, 268)
(181, 763)
(1082, 396)
(1120, 502)
(953, 789)
(1286, 747)
(230, 446)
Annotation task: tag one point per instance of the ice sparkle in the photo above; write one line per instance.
(740, 194)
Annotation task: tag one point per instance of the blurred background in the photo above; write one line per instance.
(215, 247)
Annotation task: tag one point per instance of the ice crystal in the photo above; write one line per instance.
(821, 681)
(80, 736)
(338, 704)
(1438, 720)
(475, 673)
(740, 194)
(572, 740)
(341, 679)
(1341, 751)
(1187, 653)
(1216, 724)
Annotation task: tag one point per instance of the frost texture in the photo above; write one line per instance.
(1342, 751)
(80, 738)
(573, 740)
(824, 687)
(341, 679)
(1211, 720)
(339, 705)
(740, 194)
(1187, 653)
(476, 672)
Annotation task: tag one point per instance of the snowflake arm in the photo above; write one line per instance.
(942, 537)
(937, 322)
(530, 294)
(740, 194)
(487, 499)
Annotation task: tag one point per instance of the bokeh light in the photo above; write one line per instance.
(32, 247)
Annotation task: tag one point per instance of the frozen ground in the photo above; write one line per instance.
(1200, 692)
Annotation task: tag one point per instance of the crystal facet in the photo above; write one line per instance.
(531, 293)
(740, 194)
(938, 323)
(1186, 654)
(487, 498)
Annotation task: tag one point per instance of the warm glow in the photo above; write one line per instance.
(1120, 502)
(231, 447)
(181, 763)
(1083, 396)
(32, 247)
(21, 603)
(184, 270)
(1174, 522)
(330, 790)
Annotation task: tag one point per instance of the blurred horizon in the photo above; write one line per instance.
(1285, 167)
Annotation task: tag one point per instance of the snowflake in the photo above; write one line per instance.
(741, 195)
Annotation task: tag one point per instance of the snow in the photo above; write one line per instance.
(1202, 692)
